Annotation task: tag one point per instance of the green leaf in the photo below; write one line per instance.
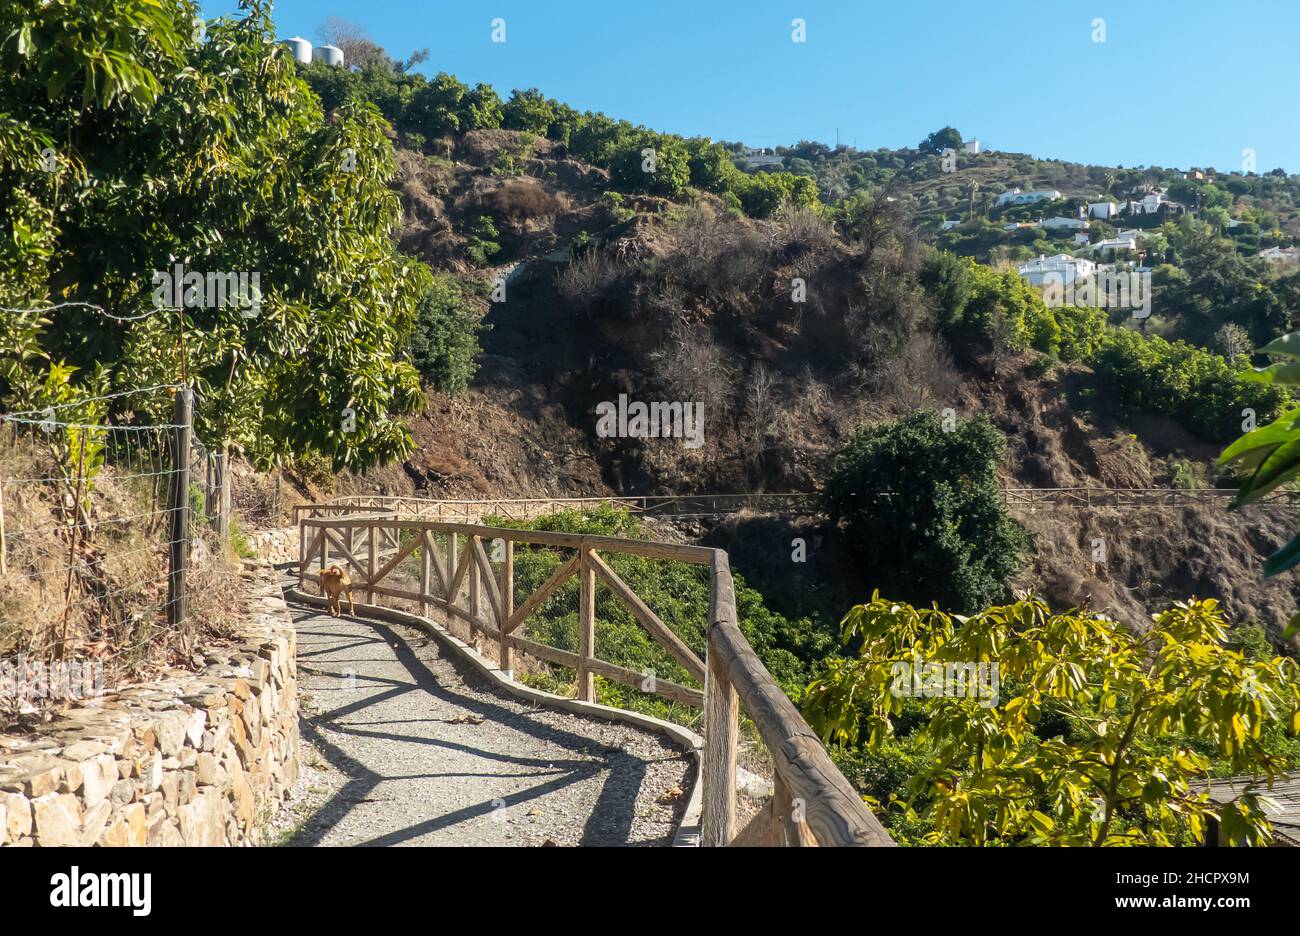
(1285, 558)
(1283, 373)
(1286, 346)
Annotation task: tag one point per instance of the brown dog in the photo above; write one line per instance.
(334, 582)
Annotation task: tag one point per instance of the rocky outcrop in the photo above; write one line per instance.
(190, 758)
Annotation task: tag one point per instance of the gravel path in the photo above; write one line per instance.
(417, 749)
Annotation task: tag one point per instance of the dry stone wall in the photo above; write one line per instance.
(275, 546)
(190, 758)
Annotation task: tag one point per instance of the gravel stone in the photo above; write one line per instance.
(407, 746)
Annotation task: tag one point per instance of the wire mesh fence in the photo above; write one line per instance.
(95, 508)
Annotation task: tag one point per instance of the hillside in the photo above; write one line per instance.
(610, 294)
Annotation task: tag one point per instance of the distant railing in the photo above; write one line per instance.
(676, 505)
(447, 567)
(1032, 498)
(794, 504)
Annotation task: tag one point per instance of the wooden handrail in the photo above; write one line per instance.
(820, 796)
(813, 804)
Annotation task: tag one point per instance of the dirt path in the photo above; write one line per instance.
(416, 749)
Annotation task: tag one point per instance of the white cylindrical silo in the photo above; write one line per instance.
(300, 48)
(330, 55)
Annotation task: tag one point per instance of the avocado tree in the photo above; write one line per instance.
(136, 138)
(1061, 729)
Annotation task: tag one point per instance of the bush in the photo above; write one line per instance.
(481, 240)
(1198, 388)
(444, 342)
(520, 202)
(921, 509)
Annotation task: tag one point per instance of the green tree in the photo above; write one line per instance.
(438, 107)
(940, 140)
(528, 110)
(920, 508)
(1088, 735)
(175, 146)
(444, 343)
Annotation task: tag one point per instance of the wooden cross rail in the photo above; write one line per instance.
(813, 803)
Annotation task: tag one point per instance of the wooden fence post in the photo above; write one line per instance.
(586, 625)
(324, 557)
(4, 567)
(451, 566)
(371, 558)
(721, 734)
(218, 501)
(179, 505)
(471, 543)
(507, 608)
(426, 569)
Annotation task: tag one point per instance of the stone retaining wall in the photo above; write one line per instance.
(275, 546)
(190, 758)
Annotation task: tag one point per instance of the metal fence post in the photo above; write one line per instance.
(179, 506)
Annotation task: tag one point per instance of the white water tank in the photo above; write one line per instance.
(330, 55)
(300, 48)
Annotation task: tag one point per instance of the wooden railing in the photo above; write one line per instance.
(704, 505)
(813, 804)
(470, 511)
(1032, 498)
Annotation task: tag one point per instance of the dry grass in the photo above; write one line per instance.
(96, 589)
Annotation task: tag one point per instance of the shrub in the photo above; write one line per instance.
(480, 240)
(1080, 733)
(444, 342)
(921, 509)
(520, 202)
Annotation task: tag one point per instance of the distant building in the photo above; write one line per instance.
(1280, 254)
(1062, 268)
(1016, 197)
(1081, 240)
(972, 147)
(1104, 210)
(1154, 202)
(1113, 244)
(948, 225)
(1065, 224)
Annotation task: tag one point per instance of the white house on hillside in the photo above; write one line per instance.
(1105, 210)
(1065, 224)
(1016, 197)
(1062, 268)
(1280, 254)
(1113, 244)
(972, 147)
(1152, 202)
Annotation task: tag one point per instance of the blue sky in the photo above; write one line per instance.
(1176, 82)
